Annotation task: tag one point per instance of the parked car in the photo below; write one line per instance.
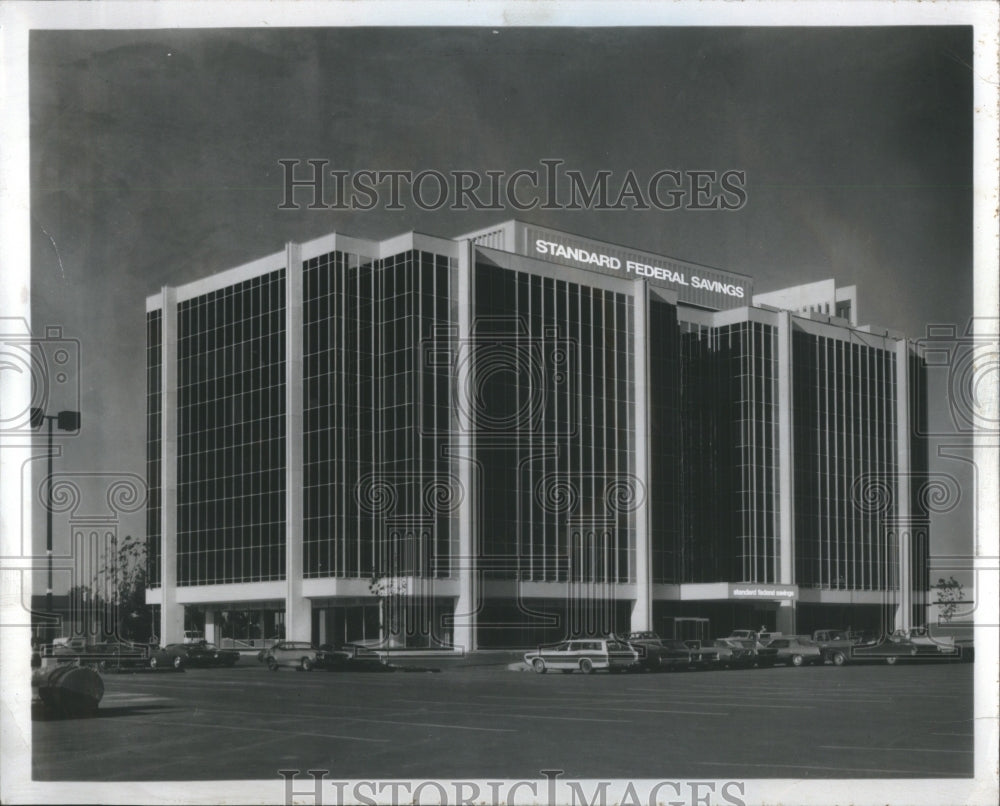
(161, 658)
(747, 652)
(201, 654)
(705, 655)
(349, 658)
(899, 646)
(732, 653)
(66, 648)
(836, 645)
(105, 656)
(296, 654)
(116, 656)
(658, 653)
(796, 651)
(922, 637)
(585, 654)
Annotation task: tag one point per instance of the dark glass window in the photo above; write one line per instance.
(379, 353)
(843, 404)
(231, 434)
(554, 385)
(154, 411)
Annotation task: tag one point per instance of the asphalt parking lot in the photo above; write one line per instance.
(484, 721)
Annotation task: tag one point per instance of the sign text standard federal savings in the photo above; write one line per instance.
(585, 256)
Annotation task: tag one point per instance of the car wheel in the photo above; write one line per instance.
(891, 660)
(306, 665)
(272, 664)
(538, 665)
(796, 660)
(586, 666)
(839, 659)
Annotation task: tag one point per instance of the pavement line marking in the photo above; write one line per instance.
(590, 705)
(906, 749)
(424, 724)
(561, 718)
(272, 730)
(922, 773)
(343, 718)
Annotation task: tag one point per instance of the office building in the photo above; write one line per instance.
(518, 434)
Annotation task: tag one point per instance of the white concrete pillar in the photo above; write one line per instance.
(785, 622)
(171, 613)
(903, 513)
(298, 610)
(210, 634)
(642, 608)
(464, 452)
(321, 617)
(786, 523)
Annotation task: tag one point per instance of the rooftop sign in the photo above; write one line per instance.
(694, 284)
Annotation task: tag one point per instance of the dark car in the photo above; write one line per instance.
(835, 645)
(660, 653)
(163, 659)
(898, 648)
(745, 652)
(201, 654)
(349, 658)
(796, 651)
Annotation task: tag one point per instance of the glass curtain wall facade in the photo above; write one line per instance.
(844, 399)
(671, 547)
(729, 491)
(231, 434)
(154, 430)
(377, 416)
(553, 418)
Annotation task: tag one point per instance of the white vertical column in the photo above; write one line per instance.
(786, 521)
(298, 622)
(904, 517)
(465, 619)
(642, 609)
(210, 634)
(171, 613)
(322, 626)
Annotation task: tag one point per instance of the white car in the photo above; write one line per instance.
(584, 654)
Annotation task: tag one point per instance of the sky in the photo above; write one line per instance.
(154, 161)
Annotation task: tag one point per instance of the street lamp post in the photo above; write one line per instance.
(66, 421)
